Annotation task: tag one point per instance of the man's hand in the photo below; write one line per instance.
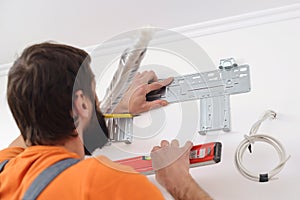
(171, 165)
(134, 100)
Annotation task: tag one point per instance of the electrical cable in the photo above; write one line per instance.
(251, 139)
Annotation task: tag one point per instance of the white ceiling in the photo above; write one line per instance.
(85, 23)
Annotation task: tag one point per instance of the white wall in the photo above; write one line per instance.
(8, 129)
(85, 23)
(272, 51)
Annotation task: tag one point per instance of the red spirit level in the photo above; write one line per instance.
(203, 154)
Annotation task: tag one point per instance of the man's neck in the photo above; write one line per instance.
(75, 145)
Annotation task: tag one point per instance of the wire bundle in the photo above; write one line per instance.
(251, 139)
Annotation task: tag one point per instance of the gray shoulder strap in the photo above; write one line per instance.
(2, 165)
(46, 176)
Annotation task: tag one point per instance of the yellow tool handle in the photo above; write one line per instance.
(124, 115)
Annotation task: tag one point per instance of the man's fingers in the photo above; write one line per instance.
(149, 105)
(158, 85)
(153, 86)
(170, 154)
(156, 148)
(167, 81)
(149, 76)
(164, 143)
(188, 145)
(175, 143)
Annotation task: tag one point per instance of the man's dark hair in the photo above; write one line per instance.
(40, 91)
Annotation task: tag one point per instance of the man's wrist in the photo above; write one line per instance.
(194, 191)
(188, 189)
(121, 108)
(179, 189)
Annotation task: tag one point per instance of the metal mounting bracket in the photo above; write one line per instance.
(213, 88)
(120, 127)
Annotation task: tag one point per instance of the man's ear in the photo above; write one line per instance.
(81, 105)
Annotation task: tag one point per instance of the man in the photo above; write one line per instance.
(52, 104)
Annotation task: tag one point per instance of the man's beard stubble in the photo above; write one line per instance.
(96, 133)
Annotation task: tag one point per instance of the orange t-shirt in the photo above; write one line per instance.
(92, 178)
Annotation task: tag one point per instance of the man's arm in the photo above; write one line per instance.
(187, 189)
(172, 171)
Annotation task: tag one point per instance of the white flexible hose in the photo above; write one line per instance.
(251, 139)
